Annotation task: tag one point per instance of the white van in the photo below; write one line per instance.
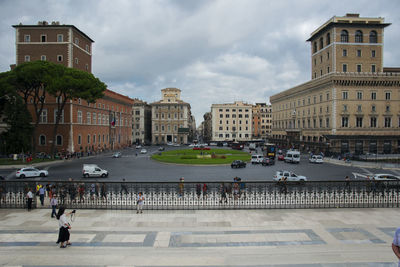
(256, 159)
(292, 156)
(92, 170)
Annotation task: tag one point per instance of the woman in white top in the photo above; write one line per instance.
(63, 234)
(139, 206)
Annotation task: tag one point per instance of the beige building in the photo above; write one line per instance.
(141, 122)
(262, 121)
(352, 103)
(171, 120)
(231, 122)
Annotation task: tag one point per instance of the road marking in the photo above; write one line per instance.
(359, 175)
(366, 171)
(396, 172)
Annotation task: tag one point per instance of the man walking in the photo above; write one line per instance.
(29, 197)
(396, 245)
(42, 191)
(53, 203)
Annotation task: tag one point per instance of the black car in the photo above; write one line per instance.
(238, 164)
(268, 161)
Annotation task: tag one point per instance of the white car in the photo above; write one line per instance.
(316, 159)
(290, 176)
(117, 155)
(31, 172)
(385, 177)
(138, 147)
(143, 151)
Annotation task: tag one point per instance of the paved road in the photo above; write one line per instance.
(141, 168)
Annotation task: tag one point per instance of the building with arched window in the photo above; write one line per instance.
(352, 103)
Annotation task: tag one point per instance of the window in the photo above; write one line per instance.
(345, 122)
(99, 119)
(359, 108)
(79, 116)
(87, 67)
(27, 58)
(373, 53)
(359, 68)
(221, 115)
(61, 118)
(388, 122)
(315, 47)
(327, 55)
(359, 121)
(373, 95)
(387, 108)
(94, 139)
(77, 41)
(359, 36)
(42, 140)
(76, 60)
(321, 43)
(387, 95)
(358, 52)
(344, 95)
(59, 140)
(373, 68)
(327, 122)
(60, 38)
(328, 39)
(344, 67)
(373, 108)
(88, 138)
(373, 122)
(43, 38)
(344, 36)
(43, 57)
(359, 95)
(94, 118)
(79, 139)
(373, 37)
(344, 52)
(43, 116)
(59, 58)
(344, 107)
(87, 48)
(27, 38)
(88, 118)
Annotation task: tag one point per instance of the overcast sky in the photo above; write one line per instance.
(214, 51)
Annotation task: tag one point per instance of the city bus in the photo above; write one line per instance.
(270, 150)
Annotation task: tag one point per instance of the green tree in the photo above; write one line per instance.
(69, 84)
(18, 134)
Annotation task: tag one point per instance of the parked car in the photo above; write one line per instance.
(238, 164)
(281, 157)
(268, 161)
(92, 170)
(117, 155)
(161, 148)
(385, 177)
(256, 159)
(138, 147)
(316, 159)
(143, 151)
(31, 172)
(290, 176)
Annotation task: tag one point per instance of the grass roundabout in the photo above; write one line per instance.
(203, 157)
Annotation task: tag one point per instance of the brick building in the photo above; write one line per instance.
(262, 121)
(84, 127)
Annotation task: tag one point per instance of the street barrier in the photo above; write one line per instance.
(193, 196)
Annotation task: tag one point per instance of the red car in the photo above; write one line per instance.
(281, 157)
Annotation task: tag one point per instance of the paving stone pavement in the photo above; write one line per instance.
(218, 238)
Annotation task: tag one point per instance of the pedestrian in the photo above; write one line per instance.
(92, 191)
(103, 191)
(347, 179)
(198, 190)
(222, 190)
(123, 187)
(53, 203)
(64, 226)
(139, 203)
(42, 192)
(396, 244)
(29, 197)
(181, 186)
(205, 188)
(81, 192)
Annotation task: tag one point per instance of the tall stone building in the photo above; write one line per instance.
(232, 121)
(262, 121)
(352, 103)
(141, 122)
(84, 127)
(171, 120)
